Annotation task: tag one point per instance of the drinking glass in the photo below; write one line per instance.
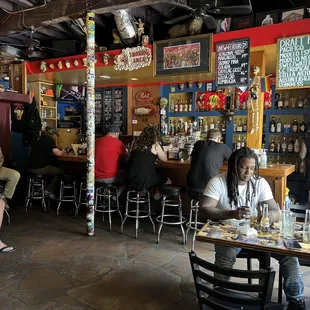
(286, 223)
(306, 233)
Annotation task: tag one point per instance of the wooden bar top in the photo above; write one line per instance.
(73, 158)
(274, 170)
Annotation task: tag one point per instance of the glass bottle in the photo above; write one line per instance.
(264, 223)
(200, 124)
(212, 124)
(181, 106)
(176, 106)
(295, 125)
(302, 127)
(172, 105)
(293, 103)
(300, 103)
(278, 146)
(189, 108)
(239, 125)
(284, 145)
(185, 107)
(286, 102)
(296, 146)
(238, 145)
(223, 127)
(273, 125)
(290, 147)
(206, 127)
(279, 125)
(245, 126)
(243, 142)
(217, 124)
(272, 146)
(306, 228)
(280, 102)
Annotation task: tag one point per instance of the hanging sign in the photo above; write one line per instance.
(133, 58)
(293, 67)
(233, 63)
(144, 96)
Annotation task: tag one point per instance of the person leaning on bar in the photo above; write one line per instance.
(242, 186)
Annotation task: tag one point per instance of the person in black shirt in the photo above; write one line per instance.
(42, 159)
(207, 159)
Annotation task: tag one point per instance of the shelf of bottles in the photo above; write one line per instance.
(180, 102)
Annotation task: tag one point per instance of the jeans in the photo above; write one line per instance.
(50, 171)
(118, 179)
(293, 285)
(11, 177)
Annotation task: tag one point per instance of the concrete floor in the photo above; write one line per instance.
(57, 267)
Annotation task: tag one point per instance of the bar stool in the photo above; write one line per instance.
(68, 193)
(174, 193)
(138, 198)
(104, 193)
(36, 190)
(82, 193)
(192, 224)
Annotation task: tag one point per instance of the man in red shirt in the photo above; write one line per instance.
(109, 151)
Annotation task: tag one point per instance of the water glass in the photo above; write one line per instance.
(287, 223)
(306, 233)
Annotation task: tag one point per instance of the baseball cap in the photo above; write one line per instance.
(114, 128)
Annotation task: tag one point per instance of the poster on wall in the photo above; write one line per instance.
(293, 66)
(183, 55)
(233, 63)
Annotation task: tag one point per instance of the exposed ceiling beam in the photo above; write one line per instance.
(24, 3)
(53, 33)
(59, 10)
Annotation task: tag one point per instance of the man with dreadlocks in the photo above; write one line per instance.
(226, 196)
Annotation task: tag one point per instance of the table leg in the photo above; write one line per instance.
(264, 260)
(280, 190)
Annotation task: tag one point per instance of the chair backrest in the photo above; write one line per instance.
(298, 210)
(231, 292)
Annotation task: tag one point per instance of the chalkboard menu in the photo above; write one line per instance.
(233, 63)
(293, 67)
(108, 108)
(98, 109)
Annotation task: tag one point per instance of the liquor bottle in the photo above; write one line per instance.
(286, 102)
(290, 147)
(306, 103)
(172, 105)
(245, 126)
(237, 102)
(278, 146)
(176, 106)
(223, 126)
(189, 108)
(279, 125)
(200, 124)
(186, 128)
(279, 101)
(264, 223)
(181, 105)
(293, 103)
(171, 128)
(212, 124)
(185, 107)
(272, 146)
(302, 127)
(243, 142)
(284, 145)
(238, 145)
(217, 124)
(239, 126)
(300, 103)
(206, 127)
(296, 146)
(272, 125)
(235, 125)
(295, 125)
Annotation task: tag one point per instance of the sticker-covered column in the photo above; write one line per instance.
(90, 122)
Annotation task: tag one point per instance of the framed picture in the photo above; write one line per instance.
(223, 25)
(243, 22)
(294, 14)
(183, 55)
(267, 18)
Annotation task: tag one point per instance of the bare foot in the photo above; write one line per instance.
(5, 247)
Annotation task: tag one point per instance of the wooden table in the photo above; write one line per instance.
(276, 175)
(73, 158)
(225, 239)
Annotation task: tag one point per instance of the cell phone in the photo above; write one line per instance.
(292, 244)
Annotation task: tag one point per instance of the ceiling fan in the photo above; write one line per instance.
(209, 10)
(33, 48)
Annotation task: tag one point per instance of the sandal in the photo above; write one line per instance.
(3, 250)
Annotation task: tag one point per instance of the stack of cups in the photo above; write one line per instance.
(306, 228)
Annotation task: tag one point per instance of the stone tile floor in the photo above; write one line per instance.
(57, 267)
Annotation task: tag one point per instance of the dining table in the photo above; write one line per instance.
(227, 233)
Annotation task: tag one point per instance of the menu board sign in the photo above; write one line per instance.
(293, 67)
(233, 63)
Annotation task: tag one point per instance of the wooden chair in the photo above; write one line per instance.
(219, 294)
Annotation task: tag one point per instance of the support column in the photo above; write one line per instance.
(90, 122)
(254, 140)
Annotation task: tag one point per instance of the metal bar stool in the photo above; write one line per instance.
(68, 184)
(138, 198)
(103, 204)
(192, 224)
(82, 193)
(174, 192)
(36, 190)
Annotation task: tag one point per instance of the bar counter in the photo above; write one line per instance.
(176, 171)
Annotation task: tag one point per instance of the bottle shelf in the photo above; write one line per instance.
(283, 134)
(283, 154)
(291, 112)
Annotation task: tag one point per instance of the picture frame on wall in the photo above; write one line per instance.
(243, 22)
(293, 14)
(183, 55)
(223, 25)
(267, 18)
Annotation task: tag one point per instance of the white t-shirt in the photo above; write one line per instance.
(217, 189)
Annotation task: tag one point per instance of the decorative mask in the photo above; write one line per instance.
(75, 62)
(190, 84)
(181, 86)
(67, 64)
(52, 66)
(59, 65)
(199, 84)
(43, 66)
(84, 60)
(106, 58)
(256, 70)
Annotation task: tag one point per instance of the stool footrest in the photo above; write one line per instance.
(170, 216)
(145, 214)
